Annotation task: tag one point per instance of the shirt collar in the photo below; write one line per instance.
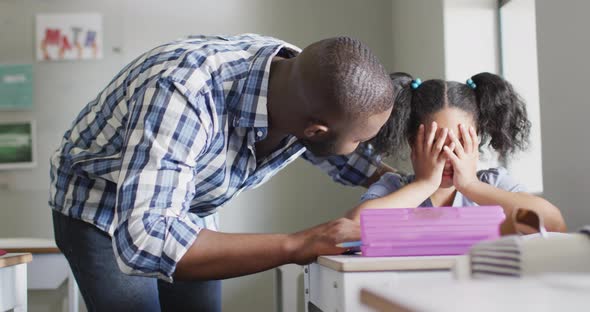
(251, 112)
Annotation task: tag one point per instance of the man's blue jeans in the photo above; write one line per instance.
(105, 288)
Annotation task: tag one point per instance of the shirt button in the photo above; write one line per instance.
(259, 133)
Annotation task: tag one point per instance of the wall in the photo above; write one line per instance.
(298, 197)
(520, 67)
(418, 38)
(470, 38)
(563, 49)
(418, 46)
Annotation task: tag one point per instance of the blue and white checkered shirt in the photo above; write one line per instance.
(170, 140)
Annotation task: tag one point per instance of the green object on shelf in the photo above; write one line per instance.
(16, 87)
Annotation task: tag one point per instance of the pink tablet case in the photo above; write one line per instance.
(427, 231)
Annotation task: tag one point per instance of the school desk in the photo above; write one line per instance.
(13, 281)
(49, 269)
(333, 283)
(539, 294)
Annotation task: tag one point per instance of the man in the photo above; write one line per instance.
(183, 129)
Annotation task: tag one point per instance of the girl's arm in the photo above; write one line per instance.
(485, 194)
(411, 195)
(464, 159)
(428, 161)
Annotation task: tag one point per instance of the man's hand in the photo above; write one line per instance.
(305, 246)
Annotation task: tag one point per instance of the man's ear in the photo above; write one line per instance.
(315, 130)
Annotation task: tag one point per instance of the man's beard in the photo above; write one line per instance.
(320, 149)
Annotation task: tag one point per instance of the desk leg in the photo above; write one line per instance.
(73, 293)
(21, 288)
(306, 286)
(287, 290)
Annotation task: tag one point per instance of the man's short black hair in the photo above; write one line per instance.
(351, 76)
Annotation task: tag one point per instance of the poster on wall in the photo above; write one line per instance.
(68, 37)
(16, 87)
(17, 144)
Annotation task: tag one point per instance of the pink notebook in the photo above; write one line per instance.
(427, 231)
(2, 252)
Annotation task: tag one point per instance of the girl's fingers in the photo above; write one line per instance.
(458, 147)
(452, 147)
(443, 156)
(420, 139)
(450, 155)
(467, 142)
(440, 141)
(431, 136)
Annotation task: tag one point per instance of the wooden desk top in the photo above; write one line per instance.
(32, 245)
(14, 259)
(358, 263)
(554, 292)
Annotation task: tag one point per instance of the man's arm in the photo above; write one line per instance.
(217, 255)
(359, 168)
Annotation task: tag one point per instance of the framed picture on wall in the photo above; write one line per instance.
(68, 36)
(17, 144)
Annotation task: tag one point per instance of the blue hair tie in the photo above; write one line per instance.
(416, 83)
(470, 83)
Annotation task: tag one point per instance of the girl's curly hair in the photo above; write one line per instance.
(498, 111)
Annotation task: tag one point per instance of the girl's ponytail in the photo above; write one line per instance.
(391, 139)
(502, 114)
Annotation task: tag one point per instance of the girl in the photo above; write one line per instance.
(441, 121)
